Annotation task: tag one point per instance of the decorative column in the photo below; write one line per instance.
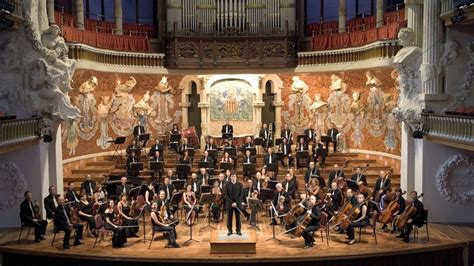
(184, 114)
(161, 15)
(379, 14)
(257, 107)
(50, 10)
(80, 14)
(342, 15)
(204, 122)
(118, 17)
(414, 15)
(432, 38)
(277, 104)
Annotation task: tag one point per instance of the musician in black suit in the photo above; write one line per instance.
(138, 130)
(290, 185)
(358, 176)
(286, 133)
(203, 176)
(259, 180)
(270, 158)
(265, 135)
(168, 188)
(332, 132)
(336, 197)
(88, 186)
(132, 159)
(248, 159)
(310, 134)
(248, 143)
(184, 146)
(156, 147)
(222, 182)
(319, 151)
(302, 146)
(313, 172)
(285, 149)
(227, 128)
(313, 225)
(335, 174)
(210, 145)
(71, 194)
(281, 202)
(382, 185)
(51, 202)
(196, 185)
(62, 222)
(123, 188)
(233, 201)
(29, 216)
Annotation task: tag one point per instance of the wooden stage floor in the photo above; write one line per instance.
(441, 237)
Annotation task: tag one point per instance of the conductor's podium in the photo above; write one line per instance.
(221, 243)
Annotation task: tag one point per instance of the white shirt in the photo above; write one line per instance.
(269, 158)
(55, 202)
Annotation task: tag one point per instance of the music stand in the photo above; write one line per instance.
(272, 184)
(227, 136)
(278, 141)
(273, 167)
(258, 206)
(175, 138)
(206, 165)
(259, 141)
(273, 213)
(326, 140)
(178, 184)
(144, 138)
(136, 167)
(188, 216)
(205, 189)
(116, 145)
(231, 150)
(156, 166)
(206, 199)
(213, 154)
(250, 167)
(212, 180)
(183, 168)
(226, 165)
(302, 155)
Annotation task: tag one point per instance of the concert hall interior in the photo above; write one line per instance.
(314, 132)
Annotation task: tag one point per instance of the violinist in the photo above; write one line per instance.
(312, 172)
(85, 213)
(285, 149)
(361, 221)
(315, 213)
(71, 194)
(62, 222)
(336, 175)
(168, 188)
(418, 219)
(195, 185)
(159, 225)
(382, 185)
(132, 158)
(281, 202)
(124, 210)
(401, 203)
(30, 216)
(150, 194)
(119, 237)
(247, 193)
(222, 181)
(358, 176)
(166, 212)
(216, 205)
(51, 202)
(88, 186)
(190, 202)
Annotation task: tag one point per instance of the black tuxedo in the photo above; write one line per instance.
(154, 148)
(310, 134)
(333, 176)
(88, 186)
(210, 147)
(309, 173)
(361, 177)
(50, 206)
(250, 159)
(292, 187)
(387, 184)
(336, 196)
(233, 194)
(332, 132)
(287, 134)
(138, 130)
(62, 222)
(207, 159)
(120, 190)
(266, 159)
(72, 196)
(264, 133)
(227, 129)
(27, 214)
(196, 187)
(168, 189)
(312, 226)
(302, 147)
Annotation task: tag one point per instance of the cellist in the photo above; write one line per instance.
(418, 219)
(401, 203)
(361, 221)
(315, 213)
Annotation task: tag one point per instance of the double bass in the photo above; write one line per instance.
(406, 215)
(387, 215)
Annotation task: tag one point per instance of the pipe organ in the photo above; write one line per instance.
(227, 16)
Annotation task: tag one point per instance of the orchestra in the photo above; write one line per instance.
(117, 202)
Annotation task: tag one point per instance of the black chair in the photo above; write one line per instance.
(370, 227)
(425, 223)
(23, 225)
(153, 236)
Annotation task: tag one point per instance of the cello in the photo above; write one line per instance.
(387, 215)
(294, 213)
(352, 215)
(406, 215)
(303, 224)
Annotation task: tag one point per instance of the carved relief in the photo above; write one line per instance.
(374, 119)
(455, 179)
(358, 110)
(162, 101)
(122, 103)
(339, 105)
(274, 49)
(187, 50)
(230, 50)
(14, 181)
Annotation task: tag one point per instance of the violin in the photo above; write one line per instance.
(387, 215)
(406, 215)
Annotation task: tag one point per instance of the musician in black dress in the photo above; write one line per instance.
(315, 213)
(124, 210)
(175, 131)
(332, 132)
(361, 221)
(62, 222)
(30, 216)
(51, 202)
(85, 212)
(418, 219)
(233, 201)
(88, 186)
(358, 176)
(119, 237)
(160, 225)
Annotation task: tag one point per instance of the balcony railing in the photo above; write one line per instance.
(19, 130)
(79, 51)
(378, 50)
(457, 128)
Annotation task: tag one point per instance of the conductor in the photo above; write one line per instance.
(233, 201)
